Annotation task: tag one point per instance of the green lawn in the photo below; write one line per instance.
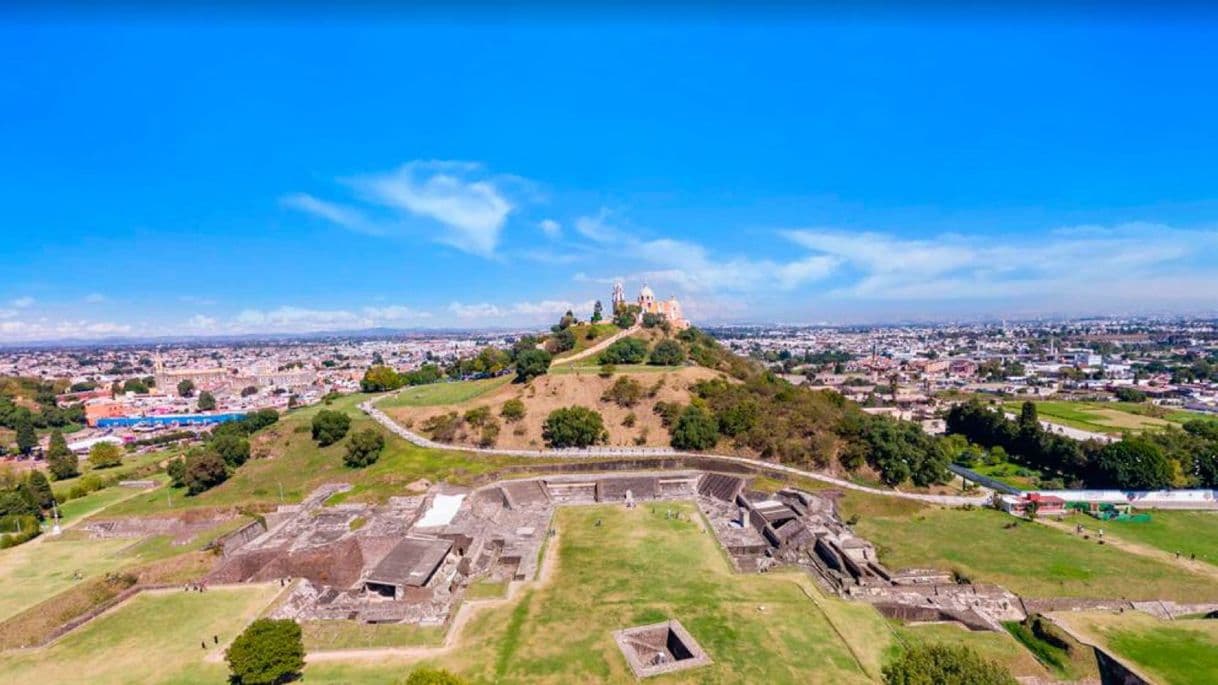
(443, 393)
(1112, 418)
(1180, 652)
(1187, 532)
(153, 638)
(1026, 558)
(640, 568)
(34, 571)
(323, 635)
(998, 647)
(96, 501)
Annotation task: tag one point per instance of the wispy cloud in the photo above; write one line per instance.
(550, 227)
(534, 311)
(464, 205)
(22, 302)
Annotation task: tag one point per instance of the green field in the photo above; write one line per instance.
(599, 331)
(153, 638)
(1112, 418)
(1026, 558)
(1180, 652)
(295, 466)
(34, 571)
(437, 394)
(998, 647)
(323, 635)
(1187, 532)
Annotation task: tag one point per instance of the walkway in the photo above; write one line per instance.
(415, 438)
(595, 349)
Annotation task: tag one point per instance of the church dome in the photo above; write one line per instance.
(646, 292)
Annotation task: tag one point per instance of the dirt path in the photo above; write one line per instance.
(1198, 567)
(466, 612)
(595, 349)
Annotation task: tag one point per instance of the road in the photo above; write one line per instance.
(411, 436)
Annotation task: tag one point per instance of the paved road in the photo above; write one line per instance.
(411, 436)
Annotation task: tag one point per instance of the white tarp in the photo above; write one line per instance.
(443, 509)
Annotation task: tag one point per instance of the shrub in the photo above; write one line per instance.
(625, 392)
(667, 353)
(206, 401)
(330, 426)
(944, 664)
(562, 341)
(607, 371)
(513, 410)
(668, 412)
(574, 427)
(696, 429)
(176, 468)
(233, 449)
(432, 676)
(205, 470)
(268, 652)
(105, 455)
(478, 416)
(629, 419)
(443, 427)
(532, 363)
(624, 351)
(490, 433)
(364, 448)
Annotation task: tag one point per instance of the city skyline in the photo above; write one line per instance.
(466, 177)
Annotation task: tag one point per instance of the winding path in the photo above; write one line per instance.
(410, 436)
(597, 347)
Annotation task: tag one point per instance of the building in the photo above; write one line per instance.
(670, 309)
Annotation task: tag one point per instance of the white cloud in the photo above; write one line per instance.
(19, 331)
(394, 313)
(482, 310)
(550, 227)
(343, 216)
(201, 322)
(7, 313)
(532, 311)
(22, 302)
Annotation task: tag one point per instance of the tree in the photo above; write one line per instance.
(206, 401)
(268, 652)
(204, 470)
(532, 363)
(944, 664)
(364, 448)
(562, 341)
(233, 449)
(380, 379)
(513, 410)
(136, 386)
(624, 351)
(176, 468)
(432, 676)
(60, 461)
(249, 390)
(625, 392)
(186, 388)
(40, 489)
(104, 455)
(574, 427)
(566, 321)
(626, 316)
(695, 430)
(597, 314)
(667, 353)
(27, 439)
(1125, 394)
(1029, 420)
(330, 426)
(1134, 464)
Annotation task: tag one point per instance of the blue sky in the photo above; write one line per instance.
(199, 176)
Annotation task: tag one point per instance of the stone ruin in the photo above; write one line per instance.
(660, 648)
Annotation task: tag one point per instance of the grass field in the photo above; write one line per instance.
(1187, 532)
(32, 572)
(998, 647)
(295, 466)
(323, 635)
(153, 638)
(1112, 418)
(599, 331)
(1026, 558)
(437, 394)
(1180, 652)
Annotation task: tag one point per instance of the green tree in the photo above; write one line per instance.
(432, 676)
(562, 341)
(206, 401)
(330, 426)
(27, 439)
(233, 449)
(1134, 464)
(1029, 420)
(667, 352)
(532, 363)
(60, 461)
(40, 489)
(574, 427)
(624, 351)
(364, 448)
(268, 652)
(944, 664)
(186, 388)
(104, 455)
(626, 316)
(625, 392)
(513, 410)
(176, 468)
(204, 470)
(136, 386)
(597, 314)
(249, 390)
(380, 379)
(695, 430)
